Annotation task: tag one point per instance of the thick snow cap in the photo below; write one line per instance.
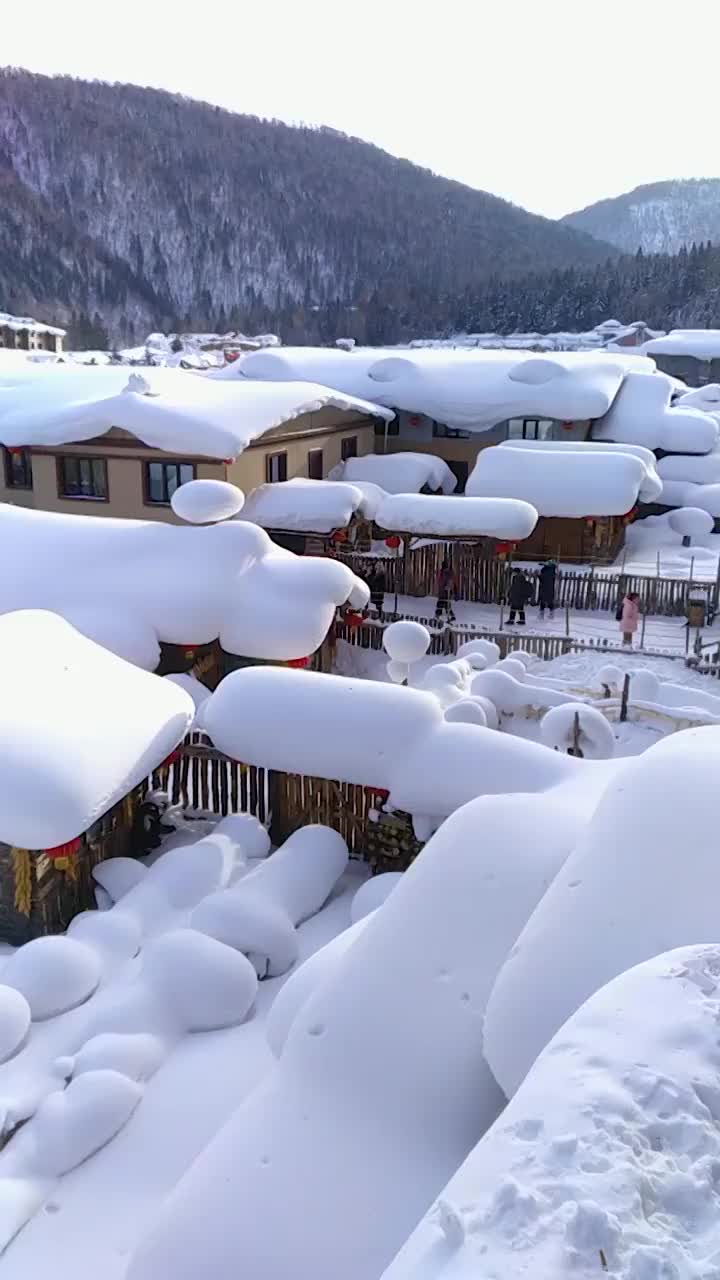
(315, 506)
(470, 390)
(130, 584)
(79, 728)
(398, 472)
(440, 516)
(641, 414)
(557, 483)
(169, 409)
(651, 487)
(701, 344)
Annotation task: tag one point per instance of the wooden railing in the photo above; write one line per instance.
(446, 639)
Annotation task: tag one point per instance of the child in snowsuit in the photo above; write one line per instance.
(518, 596)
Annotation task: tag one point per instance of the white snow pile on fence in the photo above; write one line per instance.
(562, 725)
(132, 584)
(643, 878)
(380, 735)
(683, 493)
(647, 688)
(439, 516)
(169, 409)
(573, 484)
(642, 414)
(651, 487)
(470, 390)
(701, 344)
(316, 506)
(79, 728)
(605, 1159)
(405, 473)
(405, 998)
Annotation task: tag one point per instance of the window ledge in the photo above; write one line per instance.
(81, 497)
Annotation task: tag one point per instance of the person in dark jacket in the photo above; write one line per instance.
(446, 587)
(378, 586)
(546, 589)
(518, 595)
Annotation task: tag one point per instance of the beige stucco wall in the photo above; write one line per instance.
(125, 457)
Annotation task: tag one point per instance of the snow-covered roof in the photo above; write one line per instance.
(706, 398)
(448, 517)
(23, 323)
(556, 483)
(703, 468)
(642, 414)
(684, 493)
(79, 728)
(169, 409)
(398, 472)
(702, 344)
(467, 389)
(131, 584)
(313, 506)
(651, 487)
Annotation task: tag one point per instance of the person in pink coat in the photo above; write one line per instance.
(630, 616)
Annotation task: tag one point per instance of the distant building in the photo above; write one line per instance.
(21, 333)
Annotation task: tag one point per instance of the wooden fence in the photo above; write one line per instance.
(446, 639)
(485, 581)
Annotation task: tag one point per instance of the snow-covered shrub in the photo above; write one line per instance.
(373, 894)
(136, 1056)
(203, 984)
(15, 1018)
(54, 974)
(561, 725)
(406, 641)
(467, 711)
(513, 666)
(509, 694)
(487, 648)
(247, 832)
(73, 1124)
(691, 522)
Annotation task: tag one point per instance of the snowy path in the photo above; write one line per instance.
(93, 1222)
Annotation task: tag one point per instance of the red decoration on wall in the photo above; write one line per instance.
(338, 535)
(15, 450)
(393, 542)
(353, 620)
(590, 520)
(171, 759)
(299, 663)
(414, 420)
(502, 548)
(67, 850)
(379, 792)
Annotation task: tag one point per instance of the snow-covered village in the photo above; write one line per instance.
(360, 679)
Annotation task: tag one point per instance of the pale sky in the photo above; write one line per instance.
(550, 103)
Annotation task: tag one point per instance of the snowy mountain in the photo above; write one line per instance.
(661, 217)
(140, 210)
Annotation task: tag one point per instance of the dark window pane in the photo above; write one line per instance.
(171, 479)
(18, 469)
(348, 448)
(83, 477)
(315, 464)
(99, 478)
(156, 482)
(187, 472)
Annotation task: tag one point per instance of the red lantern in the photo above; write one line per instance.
(171, 759)
(630, 516)
(228, 461)
(68, 850)
(299, 663)
(338, 535)
(590, 520)
(15, 450)
(414, 420)
(188, 651)
(567, 426)
(353, 620)
(502, 548)
(393, 542)
(379, 793)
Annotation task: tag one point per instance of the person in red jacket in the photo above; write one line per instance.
(446, 588)
(630, 617)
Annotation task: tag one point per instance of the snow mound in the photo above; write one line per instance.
(509, 695)
(207, 501)
(136, 1056)
(306, 979)
(187, 873)
(206, 985)
(603, 1160)
(373, 893)
(114, 935)
(595, 736)
(406, 641)
(487, 648)
(15, 1018)
(117, 876)
(490, 516)
(411, 985)
(691, 522)
(71, 1125)
(317, 506)
(641, 414)
(252, 924)
(54, 974)
(198, 692)
(595, 920)
(513, 666)
(405, 473)
(467, 711)
(247, 833)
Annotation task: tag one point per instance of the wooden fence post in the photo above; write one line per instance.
(625, 696)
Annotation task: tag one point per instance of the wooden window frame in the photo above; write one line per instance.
(315, 453)
(344, 452)
(147, 463)
(269, 459)
(27, 461)
(61, 459)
